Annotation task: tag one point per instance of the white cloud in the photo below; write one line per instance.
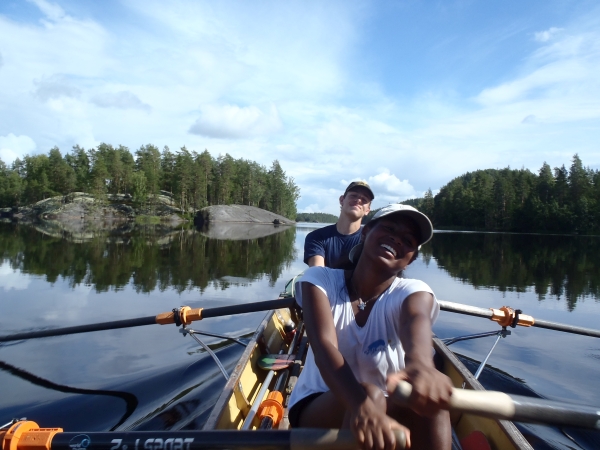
(51, 10)
(231, 121)
(55, 86)
(314, 207)
(214, 71)
(544, 36)
(565, 68)
(13, 147)
(120, 100)
(389, 188)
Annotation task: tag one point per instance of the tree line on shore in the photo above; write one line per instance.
(316, 218)
(560, 200)
(195, 180)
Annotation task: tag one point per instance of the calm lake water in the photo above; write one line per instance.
(152, 377)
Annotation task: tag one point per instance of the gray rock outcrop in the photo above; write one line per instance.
(238, 214)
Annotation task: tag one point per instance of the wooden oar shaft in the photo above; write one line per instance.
(26, 434)
(488, 313)
(163, 318)
(498, 405)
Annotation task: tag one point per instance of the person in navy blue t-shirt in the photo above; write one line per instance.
(329, 246)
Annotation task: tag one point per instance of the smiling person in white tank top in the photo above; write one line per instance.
(367, 329)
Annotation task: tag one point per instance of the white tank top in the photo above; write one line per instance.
(373, 351)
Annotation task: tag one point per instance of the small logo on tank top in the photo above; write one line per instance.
(375, 347)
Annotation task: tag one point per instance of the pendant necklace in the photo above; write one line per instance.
(361, 305)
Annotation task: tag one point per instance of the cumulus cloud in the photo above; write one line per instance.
(389, 188)
(55, 86)
(544, 36)
(13, 147)
(234, 122)
(313, 207)
(120, 100)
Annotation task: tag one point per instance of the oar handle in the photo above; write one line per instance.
(478, 402)
(498, 405)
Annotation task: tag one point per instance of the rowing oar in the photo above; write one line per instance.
(498, 405)
(506, 316)
(184, 315)
(27, 436)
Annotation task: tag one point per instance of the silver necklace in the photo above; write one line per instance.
(361, 305)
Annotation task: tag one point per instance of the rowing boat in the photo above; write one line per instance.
(255, 398)
(251, 411)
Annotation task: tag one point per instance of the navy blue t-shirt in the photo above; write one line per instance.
(329, 243)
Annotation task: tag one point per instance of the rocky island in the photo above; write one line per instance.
(82, 216)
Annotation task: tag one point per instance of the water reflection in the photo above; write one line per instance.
(241, 231)
(92, 381)
(141, 271)
(556, 266)
(151, 257)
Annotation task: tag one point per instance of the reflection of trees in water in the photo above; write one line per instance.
(182, 260)
(553, 265)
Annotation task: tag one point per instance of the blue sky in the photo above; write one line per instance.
(404, 94)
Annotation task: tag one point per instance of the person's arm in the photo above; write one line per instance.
(316, 260)
(314, 250)
(431, 388)
(369, 424)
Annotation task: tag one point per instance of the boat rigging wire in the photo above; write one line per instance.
(192, 333)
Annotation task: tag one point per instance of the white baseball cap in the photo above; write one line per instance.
(422, 221)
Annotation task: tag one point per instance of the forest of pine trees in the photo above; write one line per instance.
(195, 179)
(560, 200)
(316, 218)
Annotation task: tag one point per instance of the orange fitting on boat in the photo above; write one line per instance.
(508, 317)
(272, 407)
(27, 435)
(190, 315)
(186, 316)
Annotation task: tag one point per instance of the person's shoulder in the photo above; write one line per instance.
(322, 232)
(411, 284)
(321, 274)
(322, 271)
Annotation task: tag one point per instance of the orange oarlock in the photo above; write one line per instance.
(508, 317)
(27, 435)
(272, 407)
(186, 316)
